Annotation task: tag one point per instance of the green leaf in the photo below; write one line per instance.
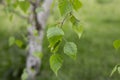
(76, 4)
(70, 49)
(19, 43)
(24, 75)
(56, 46)
(15, 4)
(8, 1)
(38, 54)
(116, 44)
(35, 32)
(74, 20)
(56, 62)
(76, 25)
(118, 70)
(24, 5)
(114, 70)
(79, 30)
(65, 7)
(54, 36)
(11, 41)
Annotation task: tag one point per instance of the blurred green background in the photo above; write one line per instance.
(96, 55)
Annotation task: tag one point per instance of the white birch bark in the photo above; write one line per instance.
(35, 42)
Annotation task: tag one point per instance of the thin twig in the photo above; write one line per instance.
(63, 21)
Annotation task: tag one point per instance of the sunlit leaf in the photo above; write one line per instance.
(38, 54)
(77, 27)
(79, 30)
(116, 44)
(54, 36)
(70, 49)
(118, 70)
(24, 75)
(114, 70)
(65, 7)
(76, 4)
(11, 41)
(56, 62)
(19, 43)
(24, 5)
(35, 32)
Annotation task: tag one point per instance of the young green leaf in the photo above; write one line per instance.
(11, 41)
(19, 43)
(76, 26)
(74, 20)
(15, 4)
(70, 49)
(54, 35)
(78, 30)
(56, 46)
(24, 5)
(114, 70)
(118, 70)
(35, 32)
(24, 75)
(65, 7)
(38, 54)
(76, 4)
(116, 44)
(56, 62)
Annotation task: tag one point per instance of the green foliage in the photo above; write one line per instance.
(19, 43)
(77, 27)
(8, 1)
(65, 7)
(114, 70)
(116, 44)
(24, 75)
(74, 20)
(97, 41)
(79, 30)
(38, 54)
(24, 5)
(118, 69)
(56, 62)
(54, 36)
(35, 32)
(11, 41)
(76, 4)
(70, 49)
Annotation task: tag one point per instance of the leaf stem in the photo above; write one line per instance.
(64, 19)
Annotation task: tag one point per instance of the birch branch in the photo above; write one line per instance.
(38, 21)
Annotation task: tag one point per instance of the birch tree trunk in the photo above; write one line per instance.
(38, 21)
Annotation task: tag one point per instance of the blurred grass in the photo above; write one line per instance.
(96, 56)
